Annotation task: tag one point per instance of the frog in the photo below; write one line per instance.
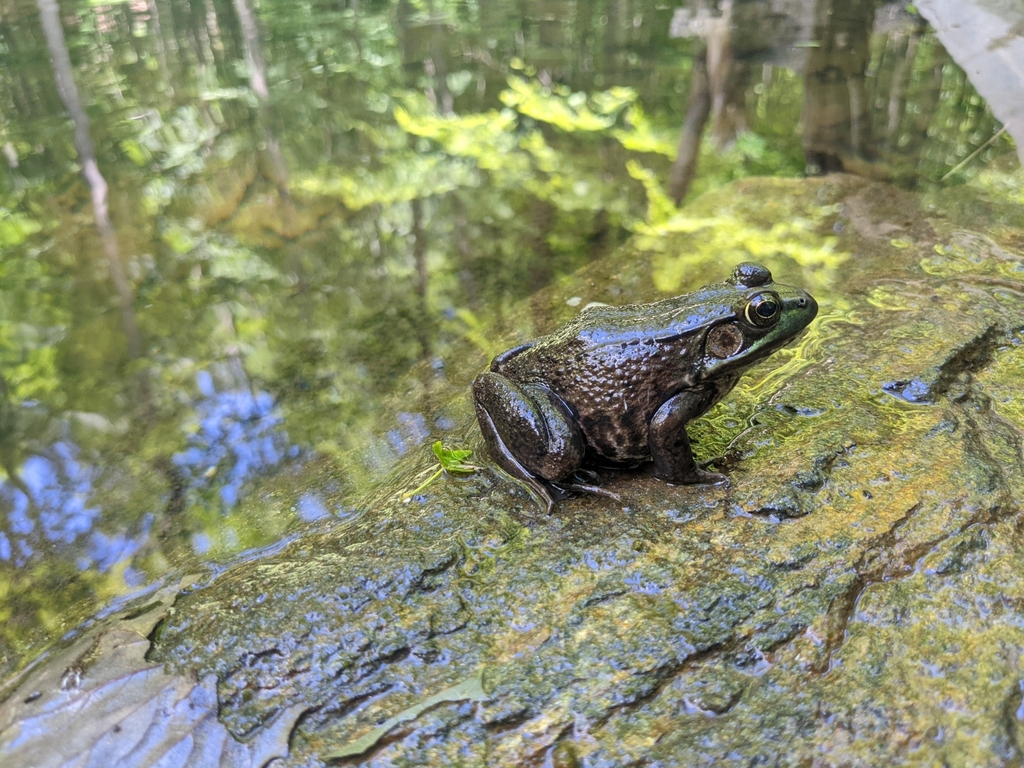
(617, 385)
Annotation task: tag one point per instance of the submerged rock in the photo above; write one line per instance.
(854, 597)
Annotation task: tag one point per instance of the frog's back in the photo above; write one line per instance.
(615, 366)
(664, 320)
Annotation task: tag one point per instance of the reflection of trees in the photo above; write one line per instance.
(427, 41)
(62, 73)
(985, 37)
(729, 36)
(909, 73)
(837, 114)
(278, 170)
(880, 96)
(698, 108)
(872, 81)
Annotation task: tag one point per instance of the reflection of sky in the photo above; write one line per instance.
(238, 437)
(411, 431)
(310, 508)
(234, 436)
(58, 512)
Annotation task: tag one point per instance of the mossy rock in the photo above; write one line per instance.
(853, 597)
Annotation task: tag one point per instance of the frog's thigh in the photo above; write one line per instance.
(667, 439)
(531, 423)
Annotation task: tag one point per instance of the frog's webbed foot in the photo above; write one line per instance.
(704, 477)
(549, 492)
(712, 478)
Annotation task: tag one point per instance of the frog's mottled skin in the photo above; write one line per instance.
(619, 384)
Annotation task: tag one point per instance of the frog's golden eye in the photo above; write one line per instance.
(763, 310)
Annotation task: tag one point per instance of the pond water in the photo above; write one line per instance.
(247, 249)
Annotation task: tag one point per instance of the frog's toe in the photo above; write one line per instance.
(546, 491)
(698, 477)
(558, 491)
(714, 461)
(713, 478)
(702, 477)
(589, 488)
(588, 475)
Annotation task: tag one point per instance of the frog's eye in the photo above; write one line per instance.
(763, 309)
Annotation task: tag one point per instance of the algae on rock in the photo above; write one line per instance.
(853, 597)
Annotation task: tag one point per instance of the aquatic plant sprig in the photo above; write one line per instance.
(451, 460)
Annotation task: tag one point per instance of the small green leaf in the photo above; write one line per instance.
(451, 460)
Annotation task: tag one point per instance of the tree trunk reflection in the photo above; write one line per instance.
(62, 73)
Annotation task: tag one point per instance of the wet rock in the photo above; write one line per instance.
(853, 597)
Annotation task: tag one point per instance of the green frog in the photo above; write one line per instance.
(617, 385)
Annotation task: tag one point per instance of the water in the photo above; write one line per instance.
(317, 213)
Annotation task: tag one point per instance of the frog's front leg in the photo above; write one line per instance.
(670, 445)
(530, 432)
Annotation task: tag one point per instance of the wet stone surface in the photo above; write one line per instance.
(853, 597)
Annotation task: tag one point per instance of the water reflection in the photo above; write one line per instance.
(985, 39)
(49, 506)
(237, 436)
(311, 508)
(312, 201)
(872, 77)
(411, 431)
(234, 436)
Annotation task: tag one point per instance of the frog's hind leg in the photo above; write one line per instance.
(541, 489)
(530, 432)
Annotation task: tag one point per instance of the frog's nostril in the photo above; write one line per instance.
(802, 303)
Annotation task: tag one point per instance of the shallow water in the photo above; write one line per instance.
(318, 214)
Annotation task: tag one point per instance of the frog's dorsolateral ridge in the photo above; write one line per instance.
(618, 384)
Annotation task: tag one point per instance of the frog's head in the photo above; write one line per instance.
(765, 317)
